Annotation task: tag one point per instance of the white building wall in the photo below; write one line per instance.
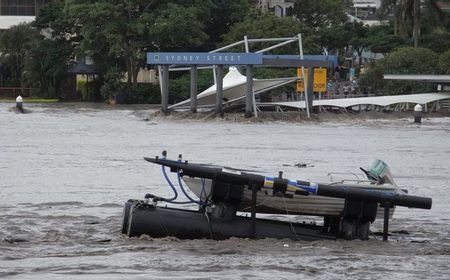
(367, 3)
(7, 21)
(279, 7)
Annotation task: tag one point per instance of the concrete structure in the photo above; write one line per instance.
(14, 12)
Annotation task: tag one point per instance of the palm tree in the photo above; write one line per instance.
(407, 15)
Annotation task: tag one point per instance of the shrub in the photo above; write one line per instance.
(402, 61)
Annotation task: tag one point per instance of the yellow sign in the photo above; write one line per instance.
(320, 80)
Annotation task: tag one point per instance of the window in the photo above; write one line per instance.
(18, 7)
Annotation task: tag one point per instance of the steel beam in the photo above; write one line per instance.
(194, 88)
(219, 90)
(165, 89)
(283, 62)
(249, 92)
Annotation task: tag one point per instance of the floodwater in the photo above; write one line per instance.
(66, 170)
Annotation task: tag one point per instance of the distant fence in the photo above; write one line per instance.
(13, 92)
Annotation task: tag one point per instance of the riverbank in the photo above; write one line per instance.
(151, 112)
(294, 117)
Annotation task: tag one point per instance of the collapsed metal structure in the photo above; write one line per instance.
(398, 102)
(247, 59)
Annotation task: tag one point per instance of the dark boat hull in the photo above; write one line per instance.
(145, 219)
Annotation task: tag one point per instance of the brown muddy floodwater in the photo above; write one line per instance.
(66, 170)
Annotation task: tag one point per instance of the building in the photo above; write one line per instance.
(443, 6)
(366, 5)
(13, 12)
(365, 11)
(280, 8)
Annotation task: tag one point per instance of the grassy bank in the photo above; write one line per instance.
(30, 100)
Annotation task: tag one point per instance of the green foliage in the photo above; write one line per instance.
(180, 89)
(402, 61)
(112, 83)
(315, 14)
(334, 37)
(270, 73)
(46, 68)
(49, 55)
(266, 26)
(225, 15)
(444, 63)
(385, 43)
(143, 94)
(89, 91)
(437, 41)
(15, 44)
(117, 34)
(177, 27)
(428, 20)
(381, 39)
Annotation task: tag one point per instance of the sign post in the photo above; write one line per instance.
(320, 80)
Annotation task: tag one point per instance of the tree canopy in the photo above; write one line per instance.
(315, 14)
(15, 44)
(117, 34)
(402, 61)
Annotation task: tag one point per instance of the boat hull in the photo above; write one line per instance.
(140, 218)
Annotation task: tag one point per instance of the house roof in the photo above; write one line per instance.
(82, 68)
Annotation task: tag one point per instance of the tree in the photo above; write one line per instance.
(408, 15)
(381, 39)
(117, 33)
(14, 47)
(221, 17)
(402, 61)
(267, 26)
(436, 41)
(334, 37)
(359, 40)
(49, 54)
(444, 63)
(46, 67)
(324, 13)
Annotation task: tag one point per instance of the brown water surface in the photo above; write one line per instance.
(66, 170)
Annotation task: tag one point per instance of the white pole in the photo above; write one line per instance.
(160, 78)
(247, 50)
(300, 44)
(277, 45)
(214, 74)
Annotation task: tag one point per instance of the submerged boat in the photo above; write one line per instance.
(223, 193)
(378, 177)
